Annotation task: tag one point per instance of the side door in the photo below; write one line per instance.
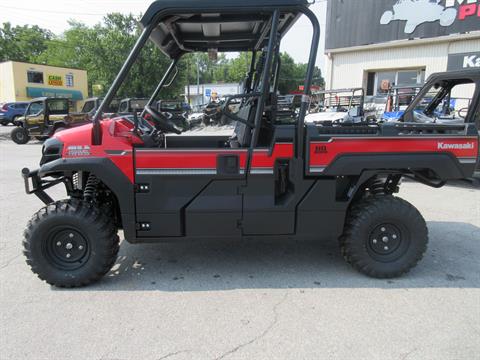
(188, 190)
(275, 186)
(34, 116)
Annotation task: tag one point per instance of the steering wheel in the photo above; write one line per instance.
(162, 122)
(462, 113)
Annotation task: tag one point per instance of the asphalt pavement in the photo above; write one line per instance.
(244, 300)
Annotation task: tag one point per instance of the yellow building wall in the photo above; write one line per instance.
(54, 78)
(7, 90)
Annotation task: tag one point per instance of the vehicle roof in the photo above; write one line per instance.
(16, 102)
(45, 98)
(457, 74)
(196, 26)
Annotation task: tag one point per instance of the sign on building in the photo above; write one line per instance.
(55, 80)
(356, 23)
(464, 61)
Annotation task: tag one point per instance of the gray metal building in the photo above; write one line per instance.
(375, 44)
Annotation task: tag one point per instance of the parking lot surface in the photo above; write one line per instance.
(244, 300)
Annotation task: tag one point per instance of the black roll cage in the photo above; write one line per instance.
(273, 41)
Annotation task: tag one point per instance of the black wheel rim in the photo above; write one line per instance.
(67, 248)
(20, 136)
(387, 242)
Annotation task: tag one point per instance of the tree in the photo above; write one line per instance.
(103, 48)
(22, 43)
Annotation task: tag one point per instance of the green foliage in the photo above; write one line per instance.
(103, 48)
(22, 43)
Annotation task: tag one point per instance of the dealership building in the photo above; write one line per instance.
(21, 81)
(377, 44)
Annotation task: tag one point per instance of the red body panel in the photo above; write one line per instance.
(323, 154)
(207, 158)
(118, 141)
(117, 137)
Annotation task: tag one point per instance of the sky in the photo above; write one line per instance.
(54, 14)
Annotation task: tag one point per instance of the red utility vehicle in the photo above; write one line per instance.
(269, 180)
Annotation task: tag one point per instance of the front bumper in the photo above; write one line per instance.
(36, 185)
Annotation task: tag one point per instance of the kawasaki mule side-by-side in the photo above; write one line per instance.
(272, 179)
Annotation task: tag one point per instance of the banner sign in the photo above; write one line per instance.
(35, 92)
(356, 23)
(464, 61)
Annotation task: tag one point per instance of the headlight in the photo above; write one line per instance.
(51, 150)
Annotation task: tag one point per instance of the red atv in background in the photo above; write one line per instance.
(272, 179)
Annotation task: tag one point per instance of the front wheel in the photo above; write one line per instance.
(15, 121)
(58, 129)
(384, 237)
(70, 244)
(20, 135)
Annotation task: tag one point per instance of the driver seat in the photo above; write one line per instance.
(242, 135)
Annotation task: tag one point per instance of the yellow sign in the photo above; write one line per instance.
(55, 80)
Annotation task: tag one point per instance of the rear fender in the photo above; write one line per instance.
(444, 165)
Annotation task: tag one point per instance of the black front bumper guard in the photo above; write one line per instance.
(38, 185)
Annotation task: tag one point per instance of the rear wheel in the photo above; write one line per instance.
(4, 122)
(70, 244)
(20, 135)
(384, 237)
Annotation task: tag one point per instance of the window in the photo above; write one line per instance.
(384, 81)
(123, 108)
(58, 106)
(379, 83)
(69, 80)
(20, 106)
(88, 106)
(35, 108)
(35, 77)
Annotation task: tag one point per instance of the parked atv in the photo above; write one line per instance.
(129, 105)
(176, 112)
(212, 114)
(44, 117)
(91, 106)
(341, 106)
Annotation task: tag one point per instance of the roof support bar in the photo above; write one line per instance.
(162, 83)
(251, 72)
(299, 146)
(97, 130)
(265, 85)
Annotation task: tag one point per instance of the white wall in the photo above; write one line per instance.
(346, 70)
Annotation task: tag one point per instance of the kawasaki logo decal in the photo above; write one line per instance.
(467, 146)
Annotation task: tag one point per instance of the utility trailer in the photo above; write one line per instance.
(271, 180)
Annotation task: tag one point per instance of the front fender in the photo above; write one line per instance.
(104, 169)
(110, 175)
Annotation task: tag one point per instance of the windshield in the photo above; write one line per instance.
(170, 106)
(59, 106)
